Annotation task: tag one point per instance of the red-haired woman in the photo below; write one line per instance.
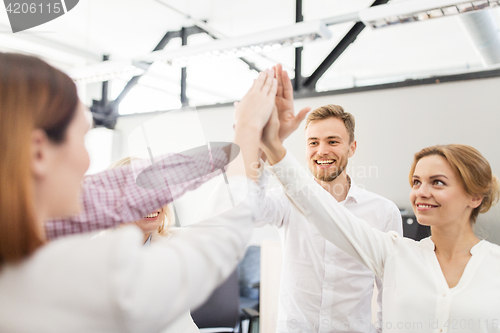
(111, 283)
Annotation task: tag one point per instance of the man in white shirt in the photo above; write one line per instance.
(322, 288)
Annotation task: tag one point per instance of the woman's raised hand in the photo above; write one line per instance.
(256, 106)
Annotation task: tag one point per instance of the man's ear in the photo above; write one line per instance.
(476, 200)
(40, 144)
(352, 148)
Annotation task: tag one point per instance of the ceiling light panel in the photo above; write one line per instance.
(419, 10)
(295, 35)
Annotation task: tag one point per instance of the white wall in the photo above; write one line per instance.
(391, 125)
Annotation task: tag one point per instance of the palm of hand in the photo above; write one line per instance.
(286, 116)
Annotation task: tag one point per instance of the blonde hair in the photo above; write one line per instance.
(473, 169)
(333, 111)
(166, 220)
(33, 95)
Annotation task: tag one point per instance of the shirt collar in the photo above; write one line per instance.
(148, 241)
(353, 194)
(427, 243)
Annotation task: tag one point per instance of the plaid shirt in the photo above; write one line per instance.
(113, 197)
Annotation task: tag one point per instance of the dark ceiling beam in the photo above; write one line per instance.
(298, 50)
(105, 113)
(184, 99)
(160, 46)
(349, 38)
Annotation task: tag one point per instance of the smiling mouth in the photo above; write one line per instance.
(152, 216)
(324, 162)
(425, 206)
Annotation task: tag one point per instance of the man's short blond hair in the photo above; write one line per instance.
(333, 111)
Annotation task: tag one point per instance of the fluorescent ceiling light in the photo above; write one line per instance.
(295, 35)
(105, 71)
(419, 10)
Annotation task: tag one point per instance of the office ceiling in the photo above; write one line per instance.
(125, 29)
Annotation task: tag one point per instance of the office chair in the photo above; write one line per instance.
(220, 313)
(249, 277)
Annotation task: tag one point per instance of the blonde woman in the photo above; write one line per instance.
(156, 228)
(157, 222)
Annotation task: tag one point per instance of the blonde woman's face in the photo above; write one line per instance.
(438, 196)
(151, 222)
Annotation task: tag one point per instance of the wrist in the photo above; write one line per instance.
(247, 129)
(274, 152)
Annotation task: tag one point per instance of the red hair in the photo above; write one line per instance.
(33, 95)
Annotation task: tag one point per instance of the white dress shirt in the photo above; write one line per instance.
(115, 284)
(322, 288)
(416, 296)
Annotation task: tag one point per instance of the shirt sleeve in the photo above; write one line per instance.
(113, 197)
(272, 204)
(394, 223)
(337, 224)
(152, 286)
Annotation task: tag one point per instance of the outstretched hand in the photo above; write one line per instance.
(255, 107)
(252, 114)
(289, 122)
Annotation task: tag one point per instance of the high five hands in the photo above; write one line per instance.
(266, 113)
(252, 114)
(283, 121)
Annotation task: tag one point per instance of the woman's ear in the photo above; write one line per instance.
(39, 153)
(476, 200)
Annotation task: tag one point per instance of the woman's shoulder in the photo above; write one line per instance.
(90, 249)
(492, 248)
(100, 238)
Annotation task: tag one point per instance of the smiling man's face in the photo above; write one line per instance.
(328, 148)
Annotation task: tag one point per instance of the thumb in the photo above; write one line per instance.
(274, 115)
(302, 114)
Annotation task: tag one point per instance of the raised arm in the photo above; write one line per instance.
(112, 197)
(332, 220)
(273, 205)
(394, 223)
(337, 224)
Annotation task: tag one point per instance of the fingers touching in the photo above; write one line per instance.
(287, 86)
(279, 78)
(266, 82)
